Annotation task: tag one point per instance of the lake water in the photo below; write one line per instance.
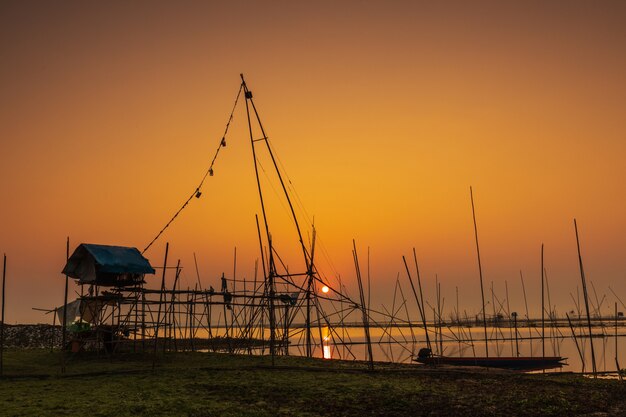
(401, 344)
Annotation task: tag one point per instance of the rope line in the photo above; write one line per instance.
(209, 172)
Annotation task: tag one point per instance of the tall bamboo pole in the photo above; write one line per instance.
(270, 291)
(4, 276)
(232, 310)
(161, 294)
(419, 286)
(420, 306)
(363, 308)
(480, 273)
(586, 297)
(619, 369)
(64, 326)
(543, 310)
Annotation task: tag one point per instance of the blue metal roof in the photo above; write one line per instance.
(107, 260)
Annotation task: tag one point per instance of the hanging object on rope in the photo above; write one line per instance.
(197, 193)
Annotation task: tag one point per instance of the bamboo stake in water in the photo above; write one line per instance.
(161, 294)
(580, 353)
(516, 339)
(619, 369)
(420, 306)
(4, 276)
(363, 308)
(508, 313)
(419, 286)
(530, 335)
(480, 273)
(586, 297)
(494, 321)
(64, 327)
(543, 310)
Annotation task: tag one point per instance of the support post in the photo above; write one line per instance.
(64, 326)
(480, 273)
(4, 276)
(584, 283)
(363, 309)
(543, 311)
(619, 370)
(162, 292)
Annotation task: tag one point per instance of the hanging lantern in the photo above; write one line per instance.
(223, 142)
(211, 171)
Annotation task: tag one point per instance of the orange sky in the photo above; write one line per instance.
(382, 113)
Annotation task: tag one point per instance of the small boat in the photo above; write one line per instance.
(518, 363)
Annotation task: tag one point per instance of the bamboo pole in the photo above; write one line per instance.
(586, 297)
(516, 338)
(54, 325)
(270, 298)
(530, 339)
(156, 330)
(286, 330)
(64, 327)
(258, 228)
(419, 286)
(508, 313)
(494, 320)
(363, 308)
(172, 312)
(480, 273)
(458, 320)
(619, 369)
(4, 279)
(543, 310)
(580, 353)
(232, 310)
(436, 332)
(192, 298)
(439, 309)
(551, 316)
(143, 319)
(136, 307)
(420, 306)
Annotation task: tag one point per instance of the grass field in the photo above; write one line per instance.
(209, 384)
